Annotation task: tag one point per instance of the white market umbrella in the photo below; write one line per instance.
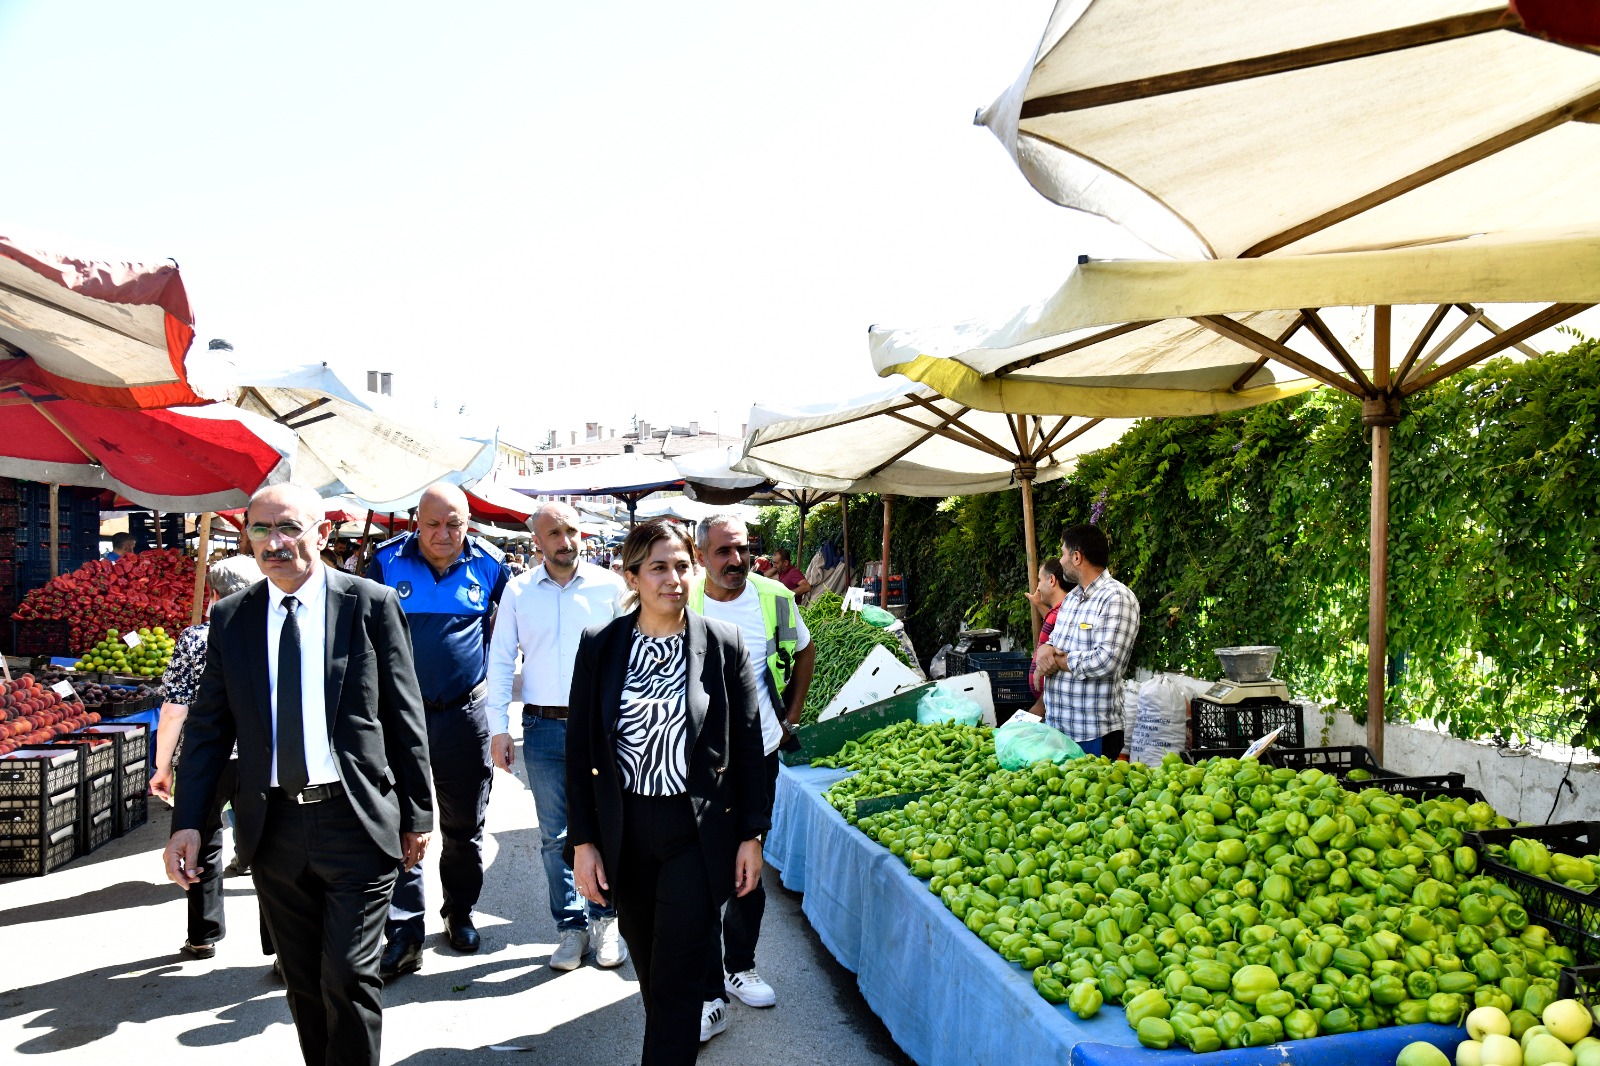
(1131, 339)
(1247, 128)
(359, 443)
(629, 476)
(908, 440)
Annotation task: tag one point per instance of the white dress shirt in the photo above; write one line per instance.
(545, 620)
(311, 612)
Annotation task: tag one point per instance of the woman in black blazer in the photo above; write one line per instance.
(666, 796)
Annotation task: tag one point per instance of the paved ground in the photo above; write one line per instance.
(89, 972)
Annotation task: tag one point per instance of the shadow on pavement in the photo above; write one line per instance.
(71, 1018)
(620, 1024)
(127, 895)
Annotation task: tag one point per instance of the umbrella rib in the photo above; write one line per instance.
(65, 432)
(1068, 349)
(1421, 341)
(1049, 439)
(1255, 367)
(1528, 327)
(31, 298)
(1070, 437)
(1319, 329)
(834, 425)
(320, 401)
(919, 442)
(1264, 345)
(1489, 324)
(994, 447)
(1443, 346)
(1574, 109)
(1317, 55)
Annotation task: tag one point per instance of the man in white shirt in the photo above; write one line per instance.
(543, 613)
(782, 660)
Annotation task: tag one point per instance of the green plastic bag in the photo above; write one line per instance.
(1021, 744)
(877, 616)
(936, 706)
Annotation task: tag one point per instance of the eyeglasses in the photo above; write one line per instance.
(286, 530)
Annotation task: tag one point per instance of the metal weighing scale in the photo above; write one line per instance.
(1247, 704)
(1233, 693)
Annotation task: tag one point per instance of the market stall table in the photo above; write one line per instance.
(942, 993)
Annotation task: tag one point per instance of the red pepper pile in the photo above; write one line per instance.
(32, 714)
(153, 588)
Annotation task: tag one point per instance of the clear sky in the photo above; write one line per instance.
(553, 213)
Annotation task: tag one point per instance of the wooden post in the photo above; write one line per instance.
(159, 539)
(883, 564)
(800, 542)
(1378, 557)
(1030, 539)
(844, 520)
(55, 529)
(202, 563)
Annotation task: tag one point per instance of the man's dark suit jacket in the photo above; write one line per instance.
(727, 763)
(376, 723)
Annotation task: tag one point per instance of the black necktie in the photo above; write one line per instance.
(291, 741)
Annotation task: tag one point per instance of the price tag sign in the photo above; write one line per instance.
(1255, 750)
(64, 689)
(132, 638)
(854, 599)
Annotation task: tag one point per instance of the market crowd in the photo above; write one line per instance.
(348, 721)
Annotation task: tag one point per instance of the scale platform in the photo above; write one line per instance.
(1233, 693)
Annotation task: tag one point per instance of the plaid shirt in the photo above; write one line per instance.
(1034, 684)
(1096, 627)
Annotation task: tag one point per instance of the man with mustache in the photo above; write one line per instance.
(311, 672)
(543, 613)
(448, 584)
(781, 660)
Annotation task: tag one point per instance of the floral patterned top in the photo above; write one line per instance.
(188, 662)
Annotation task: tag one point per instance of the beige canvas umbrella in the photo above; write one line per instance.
(1273, 127)
(1129, 339)
(908, 440)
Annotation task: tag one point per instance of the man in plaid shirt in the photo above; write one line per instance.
(1089, 647)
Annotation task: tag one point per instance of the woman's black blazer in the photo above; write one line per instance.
(727, 766)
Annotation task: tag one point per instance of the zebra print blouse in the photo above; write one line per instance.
(652, 729)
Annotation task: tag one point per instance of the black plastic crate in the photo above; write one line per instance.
(37, 858)
(41, 637)
(1213, 725)
(1338, 760)
(101, 829)
(40, 772)
(131, 741)
(1197, 755)
(133, 781)
(1007, 670)
(97, 814)
(1573, 915)
(99, 753)
(1581, 983)
(132, 812)
(1427, 792)
(37, 818)
(1413, 783)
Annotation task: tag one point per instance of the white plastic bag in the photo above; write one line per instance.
(937, 669)
(1162, 719)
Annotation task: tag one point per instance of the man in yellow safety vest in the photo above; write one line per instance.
(782, 659)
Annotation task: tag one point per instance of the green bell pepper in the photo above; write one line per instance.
(1150, 1004)
(1339, 1020)
(1388, 989)
(1204, 1039)
(1085, 999)
(1155, 1033)
(1300, 1025)
(1411, 1012)
(1446, 1008)
(1420, 984)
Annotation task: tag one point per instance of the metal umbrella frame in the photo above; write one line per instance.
(1184, 338)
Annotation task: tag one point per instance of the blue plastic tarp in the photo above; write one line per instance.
(945, 996)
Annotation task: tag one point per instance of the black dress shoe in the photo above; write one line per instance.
(402, 955)
(463, 934)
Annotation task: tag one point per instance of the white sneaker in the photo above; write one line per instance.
(610, 949)
(749, 987)
(568, 954)
(713, 1019)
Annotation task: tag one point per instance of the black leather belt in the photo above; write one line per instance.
(557, 713)
(312, 793)
(477, 692)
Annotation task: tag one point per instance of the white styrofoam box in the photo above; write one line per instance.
(974, 687)
(878, 677)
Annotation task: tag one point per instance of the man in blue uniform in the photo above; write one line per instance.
(448, 584)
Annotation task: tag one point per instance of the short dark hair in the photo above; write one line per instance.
(1089, 542)
(121, 542)
(1052, 567)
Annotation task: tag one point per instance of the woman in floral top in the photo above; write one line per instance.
(182, 681)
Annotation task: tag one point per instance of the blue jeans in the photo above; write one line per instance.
(544, 756)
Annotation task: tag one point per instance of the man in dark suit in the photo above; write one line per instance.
(311, 673)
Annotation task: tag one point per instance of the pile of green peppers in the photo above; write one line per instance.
(907, 757)
(1533, 857)
(1228, 904)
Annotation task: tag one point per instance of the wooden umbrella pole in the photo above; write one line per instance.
(1380, 413)
(883, 565)
(202, 564)
(1030, 539)
(159, 538)
(800, 541)
(844, 521)
(55, 529)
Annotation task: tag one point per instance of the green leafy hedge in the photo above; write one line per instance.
(1251, 528)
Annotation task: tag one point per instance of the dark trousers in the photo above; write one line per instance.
(458, 750)
(740, 925)
(324, 887)
(1109, 745)
(668, 916)
(207, 923)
